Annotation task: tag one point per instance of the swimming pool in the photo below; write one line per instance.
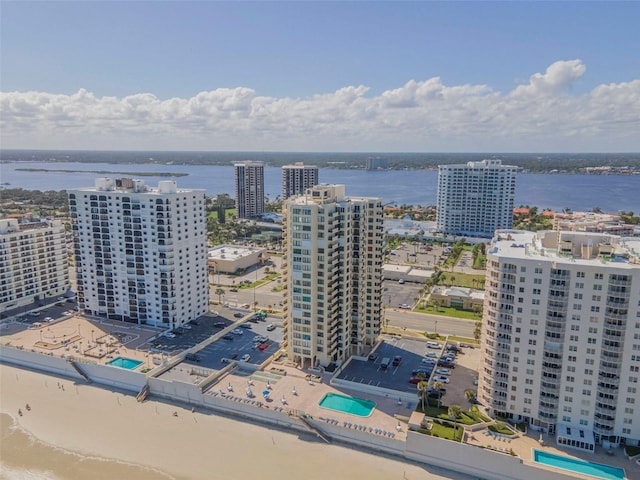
(124, 362)
(344, 404)
(580, 466)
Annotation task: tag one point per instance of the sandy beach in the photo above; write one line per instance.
(105, 431)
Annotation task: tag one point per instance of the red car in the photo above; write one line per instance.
(264, 346)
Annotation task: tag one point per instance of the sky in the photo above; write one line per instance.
(321, 76)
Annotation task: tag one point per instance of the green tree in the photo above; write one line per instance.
(438, 386)
(423, 388)
(219, 292)
(477, 331)
(469, 394)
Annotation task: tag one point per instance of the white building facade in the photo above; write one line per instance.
(34, 263)
(297, 178)
(249, 189)
(475, 199)
(333, 275)
(140, 252)
(561, 335)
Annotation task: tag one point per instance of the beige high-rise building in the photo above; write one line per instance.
(33, 262)
(561, 335)
(333, 275)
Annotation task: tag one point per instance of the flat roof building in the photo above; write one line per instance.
(140, 252)
(333, 274)
(34, 262)
(297, 178)
(249, 189)
(561, 334)
(231, 258)
(475, 199)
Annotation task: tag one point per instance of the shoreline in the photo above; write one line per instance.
(97, 422)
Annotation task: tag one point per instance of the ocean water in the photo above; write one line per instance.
(611, 193)
(23, 457)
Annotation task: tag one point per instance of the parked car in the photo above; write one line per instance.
(373, 357)
(226, 360)
(169, 335)
(397, 360)
(219, 324)
(237, 331)
(234, 356)
(233, 289)
(238, 314)
(186, 326)
(422, 371)
(431, 354)
(192, 357)
(441, 379)
(48, 319)
(245, 325)
(406, 306)
(34, 314)
(271, 327)
(401, 281)
(416, 380)
(263, 346)
(246, 357)
(227, 337)
(433, 345)
(428, 361)
(443, 371)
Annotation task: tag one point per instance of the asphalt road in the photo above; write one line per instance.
(427, 323)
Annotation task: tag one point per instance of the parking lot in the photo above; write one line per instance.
(234, 346)
(395, 294)
(372, 372)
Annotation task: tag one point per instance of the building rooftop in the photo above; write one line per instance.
(232, 252)
(577, 247)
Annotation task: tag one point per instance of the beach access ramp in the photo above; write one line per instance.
(77, 368)
(315, 429)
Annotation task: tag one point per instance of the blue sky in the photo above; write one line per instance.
(280, 60)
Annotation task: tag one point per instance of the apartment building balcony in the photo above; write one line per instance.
(606, 372)
(619, 283)
(612, 348)
(605, 409)
(550, 384)
(560, 276)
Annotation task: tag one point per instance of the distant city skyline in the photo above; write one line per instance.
(321, 76)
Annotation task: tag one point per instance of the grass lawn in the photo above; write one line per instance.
(450, 312)
(461, 279)
(501, 428)
(444, 431)
(465, 340)
(476, 414)
(268, 278)
(632, 451)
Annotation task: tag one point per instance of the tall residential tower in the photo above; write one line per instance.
(141, 252)
(297, 178)
(249, 188)
(333, 275)
(33, 262)
(475, 199)
(561, 335)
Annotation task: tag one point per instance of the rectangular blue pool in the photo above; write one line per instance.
(344, 404)
(124, 362)
(597, 470)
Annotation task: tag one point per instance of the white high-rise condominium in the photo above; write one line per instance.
(33, 262)
(333, 274)
(561, 335)
(140, 252)
(297, 178)
(475, 199)
(249, 187)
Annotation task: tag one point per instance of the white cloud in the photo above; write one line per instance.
(542, 115)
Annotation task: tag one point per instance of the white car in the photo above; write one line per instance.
(237, 331)
(246, 357)
(271, 327)
(48, 319)
(428, 361)
(443, 371)
(169, 335)
(433, 345)
(441, 379)
(431, 354)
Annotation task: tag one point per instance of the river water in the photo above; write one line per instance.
(611, 193)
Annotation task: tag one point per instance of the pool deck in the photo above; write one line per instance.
(525, 444)
(386, 415)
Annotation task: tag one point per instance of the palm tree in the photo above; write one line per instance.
(438, 386)
(477, 331)
(454, 413)
(470, 394)
(219, 292)
(423, 387)
(452, 279)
